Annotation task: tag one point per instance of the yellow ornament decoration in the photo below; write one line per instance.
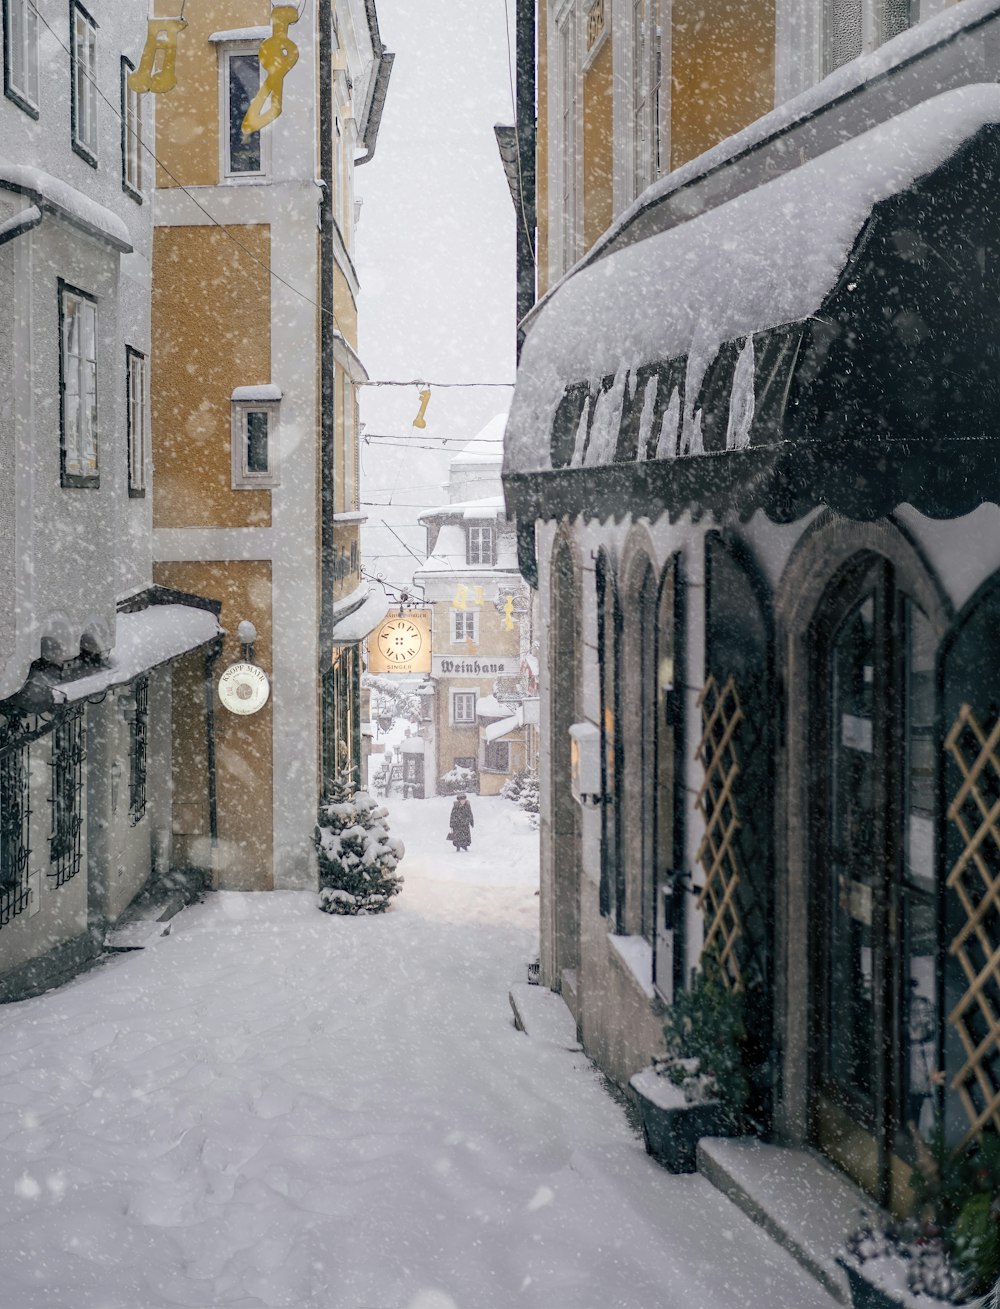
(508, 613)
(278, 54)
(420, 421)
(160, 51)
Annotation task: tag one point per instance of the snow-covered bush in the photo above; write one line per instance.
(357, 856)
(511, 789)
(528, 797)
(457, 779)
(704, 1034)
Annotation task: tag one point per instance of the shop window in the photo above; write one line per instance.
(138, 750)
(464, 625)
(135, 417)
(66, 799)
(78, 387)
(463, 708)
(496, 757)
(83, 90)
(20, 54)
(242, 156)
(131, 119)
(15, 893)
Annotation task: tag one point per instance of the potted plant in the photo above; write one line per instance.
(949, 1252)
(699, 1087)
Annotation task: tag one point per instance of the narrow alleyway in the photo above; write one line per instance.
(271, 1108)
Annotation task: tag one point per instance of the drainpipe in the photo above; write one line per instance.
(211, 655)
(525, 119)
(327, 330)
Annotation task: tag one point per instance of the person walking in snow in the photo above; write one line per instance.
(462, 823)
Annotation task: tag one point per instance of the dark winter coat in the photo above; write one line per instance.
(462, 822)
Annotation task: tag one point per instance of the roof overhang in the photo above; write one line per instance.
(824, 338)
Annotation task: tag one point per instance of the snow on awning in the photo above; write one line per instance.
(55, 196)
(784, 349)
(357, 622)
(504, 727)
(488, 706)
(144, 640)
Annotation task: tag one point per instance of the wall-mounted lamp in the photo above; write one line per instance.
(585, 764)
(116, 777)
(246, 634)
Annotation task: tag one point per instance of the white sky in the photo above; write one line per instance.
(435, 257)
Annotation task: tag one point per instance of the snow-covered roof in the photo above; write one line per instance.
(490, 507)
(488, 706)
(144, 640)
(766, 258)
(504, 726)
(355, 623)
(487, 445)
(412, 745)
(58, 197)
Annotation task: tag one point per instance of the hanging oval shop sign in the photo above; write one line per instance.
(244, 688)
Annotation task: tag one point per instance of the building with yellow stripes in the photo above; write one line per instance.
(255, 427)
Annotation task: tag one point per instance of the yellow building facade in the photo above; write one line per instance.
(255, 428)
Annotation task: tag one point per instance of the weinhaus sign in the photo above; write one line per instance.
(483, 666)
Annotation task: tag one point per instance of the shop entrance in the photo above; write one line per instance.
(873, 920)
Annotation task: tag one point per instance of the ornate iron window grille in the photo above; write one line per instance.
(138, 752)
(15, 811)
(67, 797)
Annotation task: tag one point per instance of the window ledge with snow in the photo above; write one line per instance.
(636, 956)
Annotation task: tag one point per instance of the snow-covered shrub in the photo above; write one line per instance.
(357, 856)
(528, 797)
(704, 1033)
(457, 779)
(511, 789)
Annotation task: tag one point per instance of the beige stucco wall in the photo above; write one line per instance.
(598, 146)
(722, 71)
(211, 333)
(242, 860)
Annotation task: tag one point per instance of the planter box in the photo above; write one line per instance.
(880, 1283)
(671, 1127)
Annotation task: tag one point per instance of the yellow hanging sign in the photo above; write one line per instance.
(278, 54)
(160, 51)
(401, 644)
(420, 421)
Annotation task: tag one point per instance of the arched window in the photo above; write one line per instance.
(612, 887)
(639, 725)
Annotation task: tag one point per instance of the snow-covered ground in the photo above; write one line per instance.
(272, 1107)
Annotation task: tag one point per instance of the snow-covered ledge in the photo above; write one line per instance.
(58, 197)
(636, 954)
(267, 392)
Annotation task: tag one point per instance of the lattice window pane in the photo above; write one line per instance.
(975, 879)
(67, 795)
(138, 753)
(15, 894)
(721, 715)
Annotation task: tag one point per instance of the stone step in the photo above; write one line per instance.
(801, 1201)
(136, 935)
(543, 1014)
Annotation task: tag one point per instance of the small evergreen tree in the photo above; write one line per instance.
(528, 797)
(357, 856)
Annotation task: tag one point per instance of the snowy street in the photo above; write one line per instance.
(272, 1107)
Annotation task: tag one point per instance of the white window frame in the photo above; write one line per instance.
(78, 383)
(565, 132)
(131, 114)
(464, 698)
(228, 174)
(801, 41)
(83, 88)
(20, 54)
(243, 478)
(488, 767)
(641, 102)
(461, 621)
(136, 401)
(479, 528)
